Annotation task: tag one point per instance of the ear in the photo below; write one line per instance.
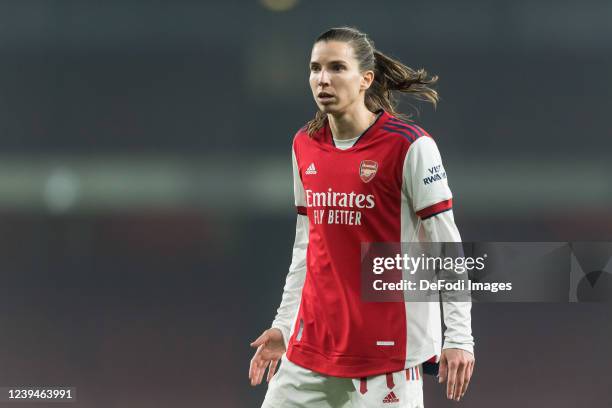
(367, 77)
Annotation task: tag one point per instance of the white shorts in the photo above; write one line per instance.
(297, 387)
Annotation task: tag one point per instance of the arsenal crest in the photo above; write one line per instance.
(367, 170)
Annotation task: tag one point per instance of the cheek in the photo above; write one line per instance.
(313, 81)
(351, 86)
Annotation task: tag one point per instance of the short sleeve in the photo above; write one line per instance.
(426, 180)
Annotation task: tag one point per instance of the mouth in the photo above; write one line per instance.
(325, 96)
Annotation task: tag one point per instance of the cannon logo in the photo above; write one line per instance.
(367, 170)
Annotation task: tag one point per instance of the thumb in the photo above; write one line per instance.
(260, 340)
(442, 369)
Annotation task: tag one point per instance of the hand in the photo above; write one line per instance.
(456, 367)
(270, 348)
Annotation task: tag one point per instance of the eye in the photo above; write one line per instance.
(314, 68)
(338, 67)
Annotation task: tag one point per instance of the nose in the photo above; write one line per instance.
(324, 77)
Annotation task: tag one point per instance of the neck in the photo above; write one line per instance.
(350, 124)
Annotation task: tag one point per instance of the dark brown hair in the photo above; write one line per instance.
(389, 75)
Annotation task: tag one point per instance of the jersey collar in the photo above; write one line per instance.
(368, 134)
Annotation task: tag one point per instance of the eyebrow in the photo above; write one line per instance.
(330, 62)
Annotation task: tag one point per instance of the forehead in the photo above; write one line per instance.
(325, 51)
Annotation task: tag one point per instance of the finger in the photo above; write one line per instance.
(260, 368)
(466, 379)
(257, 370)
(253, 372)
(262, 371)
(471, 372)
(272, 369)
(442, 370)
(451, 378)
(255, 365)
(254, 360)
(258, 375)
(251, 368)
(260, 340)
(460, 379)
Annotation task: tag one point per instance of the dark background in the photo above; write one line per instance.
(146, 212)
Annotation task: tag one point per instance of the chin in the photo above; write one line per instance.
(329, 109)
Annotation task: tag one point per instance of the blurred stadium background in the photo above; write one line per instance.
(146, 211)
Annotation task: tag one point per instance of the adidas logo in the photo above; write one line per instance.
(391, 397)
(311, 169)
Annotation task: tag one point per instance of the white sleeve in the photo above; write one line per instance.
(292, 292)
(431, 199)
(457, 315)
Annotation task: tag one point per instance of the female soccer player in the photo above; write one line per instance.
(361, 174)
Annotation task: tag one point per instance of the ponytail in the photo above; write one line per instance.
(391, 75)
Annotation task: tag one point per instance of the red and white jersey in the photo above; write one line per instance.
(382, 189)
